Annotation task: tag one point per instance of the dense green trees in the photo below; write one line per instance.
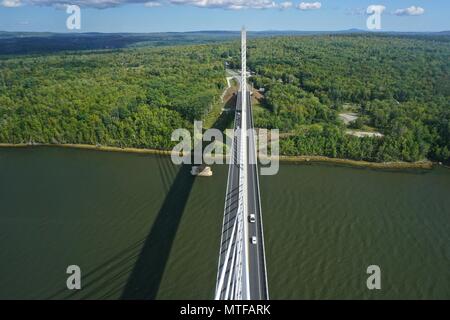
(134, 97)
(291, 106)
(330, 141)
(400, 84)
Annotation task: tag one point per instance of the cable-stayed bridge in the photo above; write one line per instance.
(242, 271)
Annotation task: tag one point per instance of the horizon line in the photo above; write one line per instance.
(229, 31)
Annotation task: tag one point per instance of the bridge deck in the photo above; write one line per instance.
(257, 260)
(257, 277)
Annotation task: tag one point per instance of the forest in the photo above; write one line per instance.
(130, 97)
(46, 42)
(397, 86)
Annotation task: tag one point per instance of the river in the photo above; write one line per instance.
(140, 227)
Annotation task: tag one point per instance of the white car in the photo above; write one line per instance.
(253, 240)
(252, 218)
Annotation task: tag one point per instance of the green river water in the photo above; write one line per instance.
(140, 227)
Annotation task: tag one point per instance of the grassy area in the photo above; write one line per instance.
(350, 107)
(214, 119)
(368, 128)
(257, 99)
(358, 163)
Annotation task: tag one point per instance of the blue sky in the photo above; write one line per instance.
(191, 15)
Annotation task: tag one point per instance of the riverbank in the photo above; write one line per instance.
(359, 163)
(291, 159)
(88, 147)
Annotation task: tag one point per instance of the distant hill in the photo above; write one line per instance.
(30, 43)
(46, 42)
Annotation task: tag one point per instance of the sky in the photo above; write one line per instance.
(194, 15)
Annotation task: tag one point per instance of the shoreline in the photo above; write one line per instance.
(359, 163)
(87, 147)
(287, 159)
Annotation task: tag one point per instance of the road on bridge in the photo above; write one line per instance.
(257, 260)
(257, 276)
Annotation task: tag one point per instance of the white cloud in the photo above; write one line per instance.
(375, 8)
(11, 3)
(102, 4)
(309, 5)
(228, 4)
(411, 11)
(285, 5)
(99, 4)
(355, 11)
(152, 4)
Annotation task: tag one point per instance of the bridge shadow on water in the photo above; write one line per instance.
(146, 275)
(141, 265)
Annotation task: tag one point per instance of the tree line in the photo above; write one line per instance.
(136, 97)
(128, 98)
(399, 85)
